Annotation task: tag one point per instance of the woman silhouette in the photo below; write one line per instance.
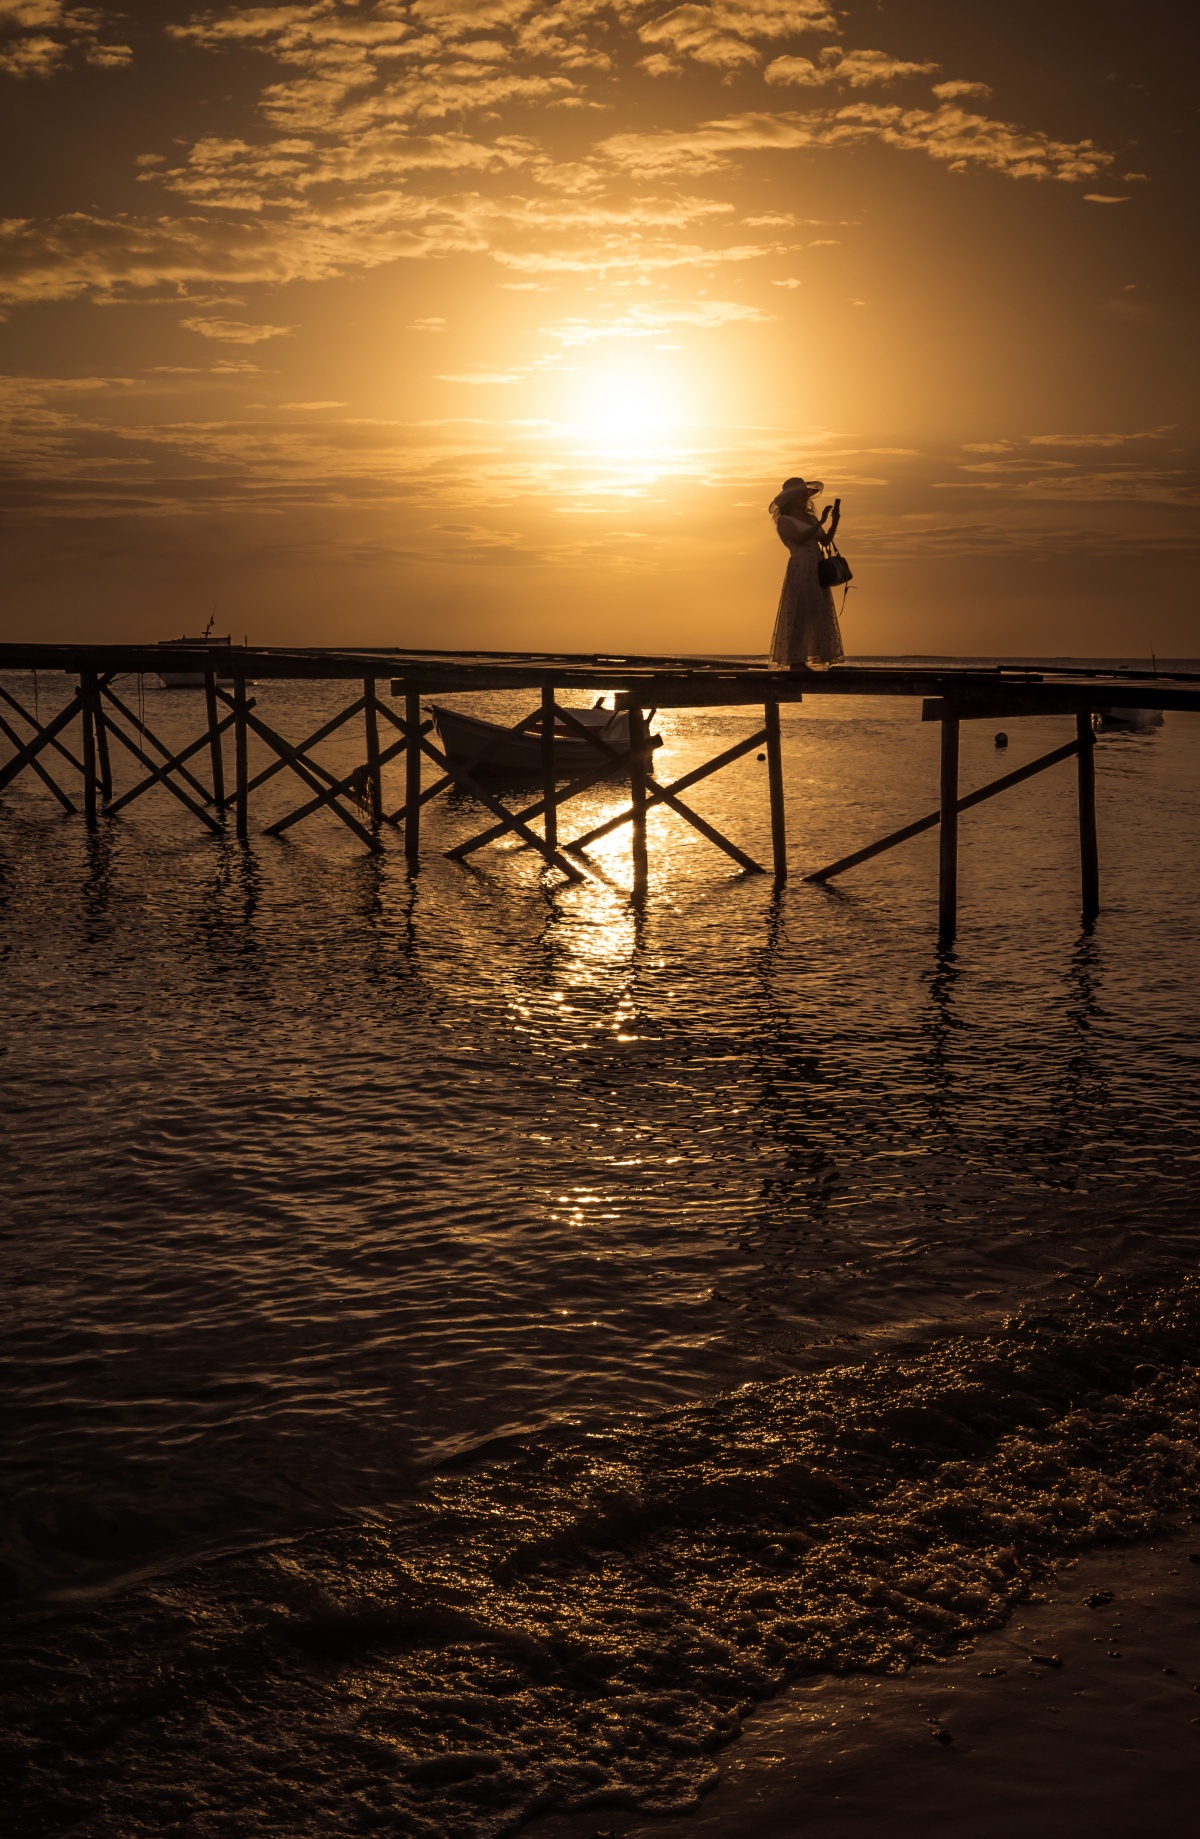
(806, 626)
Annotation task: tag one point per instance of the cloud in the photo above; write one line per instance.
(722, 34)
(947, 134)
(956, 88)
(1103, 198)
(235, 331)
(482, 376)
(857, 69)
(650, 319)
(235, 175)
(28, 50)
(1101, 440)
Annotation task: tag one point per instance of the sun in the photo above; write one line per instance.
(629, 400)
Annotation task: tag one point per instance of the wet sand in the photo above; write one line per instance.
(996, 1743)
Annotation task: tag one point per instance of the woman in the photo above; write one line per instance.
(806, 626)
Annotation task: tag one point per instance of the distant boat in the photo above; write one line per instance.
(192, 679)
(1139, 720)
(466, 739)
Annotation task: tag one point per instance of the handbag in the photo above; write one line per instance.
(833, 570)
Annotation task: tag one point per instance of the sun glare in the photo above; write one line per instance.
(629, 401)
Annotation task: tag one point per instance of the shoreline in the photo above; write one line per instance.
(1105, 1744)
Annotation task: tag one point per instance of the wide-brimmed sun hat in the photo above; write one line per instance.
(792, 487)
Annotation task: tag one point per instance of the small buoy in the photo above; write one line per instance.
(1002, 739)
(762, 756)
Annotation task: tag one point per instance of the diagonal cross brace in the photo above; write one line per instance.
(935, 817)
(45, 737)
(661, 794)
(173, 764)
(166, 781)
(322, 734)
(463, 779)
(36, 766)
(477, 760)
(335, 788)
(14, 703)
(305, 771)
(148, 734)
(573, 790)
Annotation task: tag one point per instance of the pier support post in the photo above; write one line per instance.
(215, 752)
(88, 700)
(374, 770)
(103, 758)
(241, 755)
(549, 778)
(412, 777)
(948, 838)
(775, 778)
(637, 796)
(1089, 854)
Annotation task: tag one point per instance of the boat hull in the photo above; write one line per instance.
(466, 740)
(190, 679)
(1138, 719)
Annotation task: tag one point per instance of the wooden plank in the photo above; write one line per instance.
(1000, 707)
(775, 783)
(948, 840)
(1089, 853)
(933, 817)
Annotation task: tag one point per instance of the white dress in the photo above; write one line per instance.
(806, 626)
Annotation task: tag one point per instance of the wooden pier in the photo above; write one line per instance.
(72, 752)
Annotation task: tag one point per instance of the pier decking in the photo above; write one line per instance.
(77, 743)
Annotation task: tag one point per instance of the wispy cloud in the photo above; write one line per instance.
(235, 331)
(855, 69)
(653, 318)
(724, 34)
(947, 134)
(37, 37)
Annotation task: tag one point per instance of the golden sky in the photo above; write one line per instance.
(474, 322)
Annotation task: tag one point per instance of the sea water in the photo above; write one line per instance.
(467, 1338)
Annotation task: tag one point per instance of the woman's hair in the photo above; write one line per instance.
(783, 502)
